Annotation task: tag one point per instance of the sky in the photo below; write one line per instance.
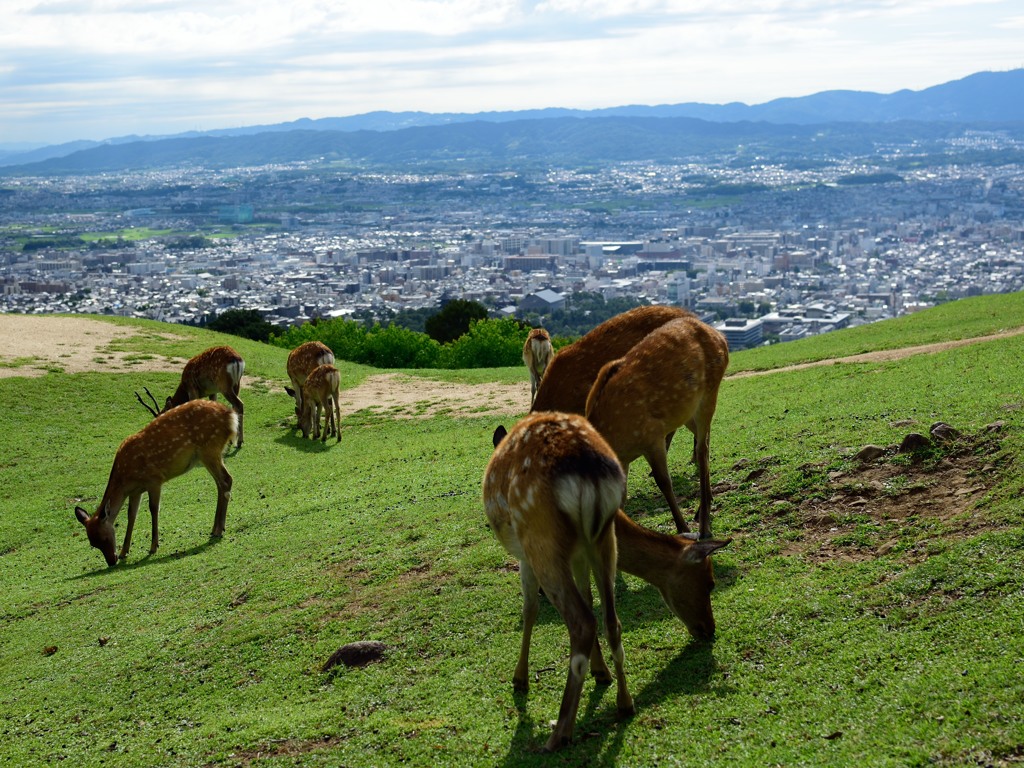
(98, 69)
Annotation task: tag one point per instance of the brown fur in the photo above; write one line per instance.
(668, 380)
(529, 518)
(678, 567)
(215, 370)
(550, 492)
(301, 361)
(196, 432)
(571, 372)
(321, 391)
(537, 353)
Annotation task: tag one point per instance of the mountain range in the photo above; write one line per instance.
(842, 121)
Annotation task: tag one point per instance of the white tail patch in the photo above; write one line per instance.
(590, 503)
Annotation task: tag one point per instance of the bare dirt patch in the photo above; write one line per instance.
(899, 503)
(33, 345)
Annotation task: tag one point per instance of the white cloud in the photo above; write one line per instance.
(161, 65)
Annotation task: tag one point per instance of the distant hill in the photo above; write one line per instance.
(840, 122)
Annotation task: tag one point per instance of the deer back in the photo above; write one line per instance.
(215, 370)
(305, 357)
(537, 351)
(658, 385)
(571, 373)
(322, 382)
(553, 479)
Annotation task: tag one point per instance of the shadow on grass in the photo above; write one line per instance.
(599, 735)
(293, 439)
(150, 560)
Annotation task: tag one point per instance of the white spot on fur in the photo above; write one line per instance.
(579, 665)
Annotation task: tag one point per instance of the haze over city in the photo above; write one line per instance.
(96, 69)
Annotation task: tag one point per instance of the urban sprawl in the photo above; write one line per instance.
(765, 252)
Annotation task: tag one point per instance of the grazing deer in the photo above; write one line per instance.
(537, 354)
(571, 373)
(678, 567)
(218, 369)
(196, 432)
(321, 391)
(301, 362)
(551, 491)
(668, 380)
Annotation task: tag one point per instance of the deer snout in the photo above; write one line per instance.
(702, 631)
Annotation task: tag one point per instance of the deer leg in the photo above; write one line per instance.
(133, 510)
(215, 466)
(531, 603)
(337, 415)
(582, 635)
(703, 450)
(598, 666)
(604, 574)
(154, 513)
(237, 407)
(659, 468)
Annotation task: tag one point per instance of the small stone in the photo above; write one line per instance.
(869, 453)
(914, 441)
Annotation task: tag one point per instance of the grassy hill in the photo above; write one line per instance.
(868, 614)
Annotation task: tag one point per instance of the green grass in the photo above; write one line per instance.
(209, 653)
(980, 316)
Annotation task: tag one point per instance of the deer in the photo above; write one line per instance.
(215, 370)
(537, 353)
(667, 380)
(301, 361)
(678, 567)
(548, 491)
(321, 391)
(571, 372)
(196, 432)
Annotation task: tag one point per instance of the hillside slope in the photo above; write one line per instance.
(843, 602)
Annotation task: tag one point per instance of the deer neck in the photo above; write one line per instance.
(643, 552)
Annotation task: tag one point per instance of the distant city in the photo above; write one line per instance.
(769, 250)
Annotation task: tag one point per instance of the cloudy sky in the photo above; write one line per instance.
(95, 69)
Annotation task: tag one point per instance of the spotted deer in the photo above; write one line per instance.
(571, 372)
(537, 352)
(321, 391)
(547, 492)
(196, 432)
(215, 370)
(301, 361)
(550, 494)
(667, 380)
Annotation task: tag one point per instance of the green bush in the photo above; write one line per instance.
(488, 344)
(395, 347)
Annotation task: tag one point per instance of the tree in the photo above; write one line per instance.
(454, 320)
(247, 323)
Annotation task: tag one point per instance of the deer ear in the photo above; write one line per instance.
(499, 435)
(700, 550)
(81, 514)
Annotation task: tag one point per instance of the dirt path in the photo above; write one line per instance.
(31, 345)
(886, 355)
